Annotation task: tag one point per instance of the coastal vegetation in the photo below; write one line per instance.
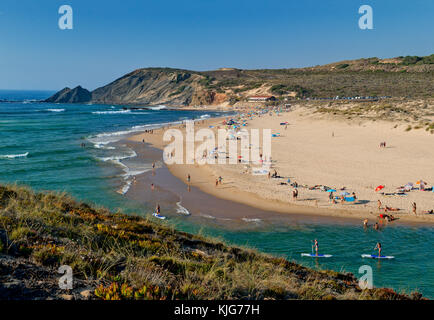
(116, 256)
(410, 77)
(418, 112)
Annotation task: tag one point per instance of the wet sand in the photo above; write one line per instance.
(170, 192)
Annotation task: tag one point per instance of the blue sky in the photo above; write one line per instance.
(111, 38)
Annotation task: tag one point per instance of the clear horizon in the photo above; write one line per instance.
(109, 39)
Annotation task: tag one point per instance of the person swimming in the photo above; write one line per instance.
(365, 223)
(378, 247)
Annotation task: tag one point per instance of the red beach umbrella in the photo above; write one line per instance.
(379, 188)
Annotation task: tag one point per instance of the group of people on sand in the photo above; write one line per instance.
(274, 175)
(388, 209)
(342, 198)
(382, 144)
(218, 181)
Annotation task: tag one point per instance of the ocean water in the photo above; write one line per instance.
(41, 146)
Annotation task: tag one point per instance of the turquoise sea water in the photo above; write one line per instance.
(41, 146)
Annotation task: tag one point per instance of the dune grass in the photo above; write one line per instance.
(131, 257)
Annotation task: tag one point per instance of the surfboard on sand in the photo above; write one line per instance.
(316, 256)
(156, 215)
(373, 256)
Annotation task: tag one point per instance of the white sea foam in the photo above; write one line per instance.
(251, 220)
(13, 156)
(160, 107)
(103, 146)
(112, 112)
(109, 137)
(181, 209)
(208, 216)
(127, 112)
(126, 187)
(55, 110)
(119, 157)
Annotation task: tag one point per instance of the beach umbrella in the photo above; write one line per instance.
(344, 193)
(331, 190)
(379, 188)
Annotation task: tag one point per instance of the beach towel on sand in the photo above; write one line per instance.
(347, 199)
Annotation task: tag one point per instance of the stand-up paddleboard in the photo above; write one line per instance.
(156, 215)
(316, 256)
(373, 256)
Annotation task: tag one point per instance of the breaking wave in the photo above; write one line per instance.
(13, 156)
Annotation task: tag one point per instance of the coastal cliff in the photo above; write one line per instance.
(397, 77)
(115, 256)
(67, 95)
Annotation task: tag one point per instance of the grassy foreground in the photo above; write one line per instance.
(117, 256)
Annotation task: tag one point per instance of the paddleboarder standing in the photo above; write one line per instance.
(378, 247)
(316, 246)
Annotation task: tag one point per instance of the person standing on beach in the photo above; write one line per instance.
(220, 179)
(379, 204)
(188, 178)
(331, 196)
(414, 207)
(216, 182)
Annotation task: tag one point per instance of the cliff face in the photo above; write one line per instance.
(151, 86)
(67, 95)
(397, 77)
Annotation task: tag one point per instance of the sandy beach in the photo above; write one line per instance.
(321, 150)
